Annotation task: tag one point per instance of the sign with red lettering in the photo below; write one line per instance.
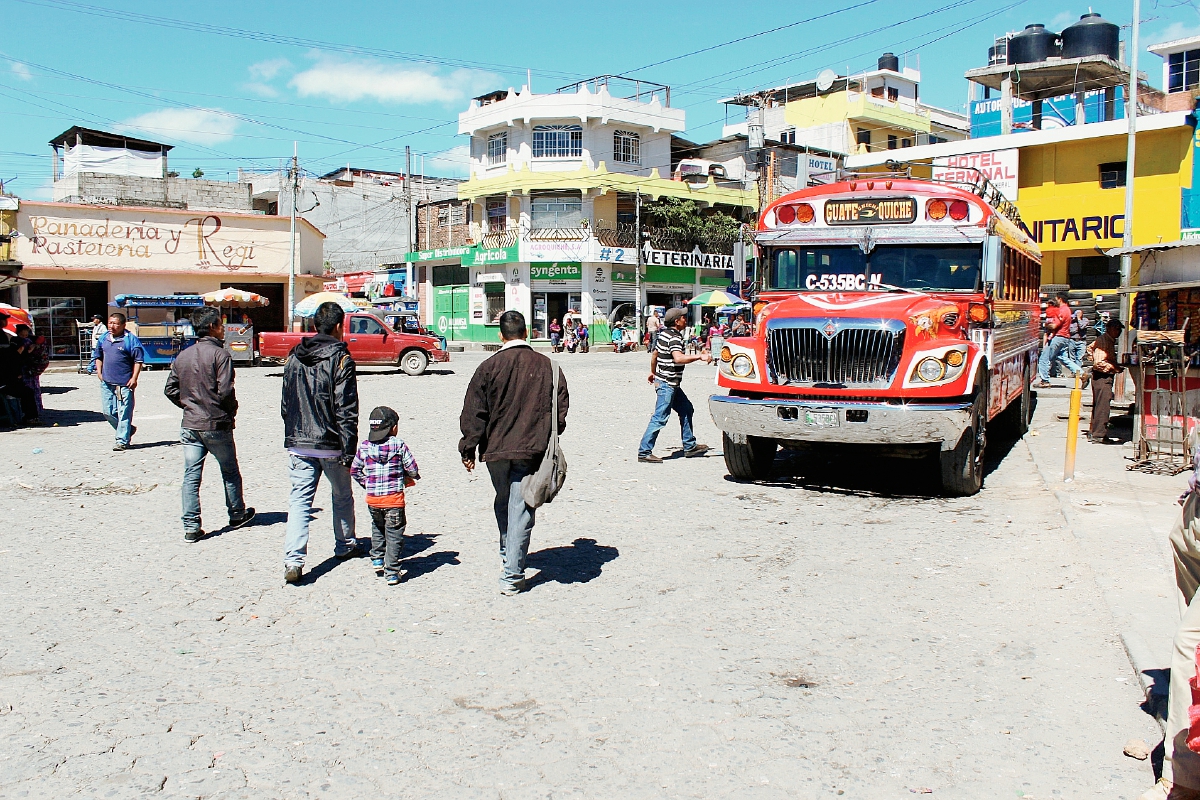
(998, 166)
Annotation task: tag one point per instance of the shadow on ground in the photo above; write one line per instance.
(581, 562)
(70, 418)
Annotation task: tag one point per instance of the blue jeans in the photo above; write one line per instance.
(118, 409)
(306, 475)
(669, 398)
(1058, 348)
(513, 518)
(197, 445)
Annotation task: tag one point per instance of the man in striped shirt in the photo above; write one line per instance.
(666, 373)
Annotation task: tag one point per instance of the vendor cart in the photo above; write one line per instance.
(240, 338)
(154, 319)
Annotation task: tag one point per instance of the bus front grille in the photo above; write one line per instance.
(824, 353)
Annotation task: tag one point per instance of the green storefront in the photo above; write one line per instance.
(464, 311)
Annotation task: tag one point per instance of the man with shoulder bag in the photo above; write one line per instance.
(514, 410)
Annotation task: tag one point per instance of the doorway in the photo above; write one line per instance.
(549, 306)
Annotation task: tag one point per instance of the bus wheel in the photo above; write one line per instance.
(752, 461)
(414, 362)
(1016, 417)
(962, 467)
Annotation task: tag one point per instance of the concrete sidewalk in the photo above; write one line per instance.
(1122, 519)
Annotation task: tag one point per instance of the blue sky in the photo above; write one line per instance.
(235, 83)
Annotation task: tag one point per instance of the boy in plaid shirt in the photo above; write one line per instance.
(383, 466)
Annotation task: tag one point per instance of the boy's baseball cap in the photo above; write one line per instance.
(383, 419)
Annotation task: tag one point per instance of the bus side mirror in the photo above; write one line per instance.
(993, 262)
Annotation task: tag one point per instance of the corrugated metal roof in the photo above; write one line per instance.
(1148, 248)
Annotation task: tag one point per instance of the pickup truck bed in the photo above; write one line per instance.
(370, 343)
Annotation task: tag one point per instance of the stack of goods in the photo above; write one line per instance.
(1170, 311)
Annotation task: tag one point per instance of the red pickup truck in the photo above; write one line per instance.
(371, 343)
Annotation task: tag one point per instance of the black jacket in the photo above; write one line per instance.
(201, 383)
(320, 396)
(506, 413)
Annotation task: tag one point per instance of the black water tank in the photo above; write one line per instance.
(889, 61)
(1032, 45)
(998, 53)
(1092, 36)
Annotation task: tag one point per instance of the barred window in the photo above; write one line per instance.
(497, 214)
(627, 147)
(562, 211)
(557, 141)
(454, 215)
(497, 148)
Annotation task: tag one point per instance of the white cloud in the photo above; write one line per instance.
(196, 125)
(21, 71)
(452, 163)
(357, 80)
(267, 70)
(1176, 30)
(261, 89)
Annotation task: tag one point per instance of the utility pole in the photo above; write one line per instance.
(295, 176)
(408, 208)
(1131, 104)
(637, 273)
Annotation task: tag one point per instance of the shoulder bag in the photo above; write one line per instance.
(539, 488)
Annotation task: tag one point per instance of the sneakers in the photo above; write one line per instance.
(650, 459)
(696, 451)
(244, 519)
(293, 574)
(393, 579)
(510, 589)
(377, 563)
(193, 536)
(1043, 385)
(356, 550)
(118, 447)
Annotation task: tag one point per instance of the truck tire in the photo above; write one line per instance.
(752, 461)
(414, 362)
(962, 467)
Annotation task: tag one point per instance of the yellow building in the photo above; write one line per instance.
(1069, 186)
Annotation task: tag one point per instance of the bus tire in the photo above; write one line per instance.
(1014, 420)
(962, 466)
(414, 362)
(752, 461)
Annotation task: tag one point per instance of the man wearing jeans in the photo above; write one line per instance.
(201, 383)
(666, 374)
(506, 422)
(117, 357)
(1058, 347)
(320, 420)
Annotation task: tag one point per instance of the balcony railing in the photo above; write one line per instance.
(625, 235)
(496, 241)
(558, 234)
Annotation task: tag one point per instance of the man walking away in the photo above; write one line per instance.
(654, 324)
(1104, 370)
(1058, 347)
(320, 422)
(117, 358)
(506, 422)
(666, 373)
(11, 382)
(201, 383)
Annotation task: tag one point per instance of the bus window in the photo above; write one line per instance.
(784, 274)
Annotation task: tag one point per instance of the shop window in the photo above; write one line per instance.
(497, 214)
(497, 148)
(451, 275)
(495, 303)
(557, 141)
(1094, 272)
(1183, 71)
(1112, 175)
(627, 147)
(556, 211)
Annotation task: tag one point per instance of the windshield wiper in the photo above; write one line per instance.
(889, 287)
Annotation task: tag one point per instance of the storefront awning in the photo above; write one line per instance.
(1160, 287)
(1152, 248)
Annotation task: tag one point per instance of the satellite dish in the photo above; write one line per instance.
(825, 80)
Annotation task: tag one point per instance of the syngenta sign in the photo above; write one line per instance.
(571, 271)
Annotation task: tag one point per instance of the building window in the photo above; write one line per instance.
(497, 214)
(627, 147)
(1112, 175)
(893, 95)
(788, 136)
(906, 142)
(877, 91)
(451, 216)
(552, 211)
(892, 140)
(1183, 71)
(863, 136)
(1094, 272)
(494, 294)
(497, 148)
(937, 139)
(557, 141)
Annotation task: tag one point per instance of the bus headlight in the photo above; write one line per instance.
(931, 370)
(940, 366)
(741, 366)
(737, 363)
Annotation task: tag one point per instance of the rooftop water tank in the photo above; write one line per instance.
(1092, 36)
(998, 53)
(889, 61)
(1032, 45)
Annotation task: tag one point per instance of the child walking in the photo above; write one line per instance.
(383, 466)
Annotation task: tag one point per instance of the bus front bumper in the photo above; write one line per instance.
(819, 421)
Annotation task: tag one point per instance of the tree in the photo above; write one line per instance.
(197, 173)
(677, 224)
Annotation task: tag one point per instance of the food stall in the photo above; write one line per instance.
(161, 322)
(239, 330)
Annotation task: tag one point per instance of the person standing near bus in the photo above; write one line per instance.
(666, 374)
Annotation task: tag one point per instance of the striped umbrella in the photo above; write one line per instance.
(714, 298)
(308, 306)
(234, 298)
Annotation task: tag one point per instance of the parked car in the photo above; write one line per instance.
(371, 343)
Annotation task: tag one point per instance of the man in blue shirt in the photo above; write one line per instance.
(117, 359)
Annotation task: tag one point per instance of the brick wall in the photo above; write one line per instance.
(190, 193)
(443, 224)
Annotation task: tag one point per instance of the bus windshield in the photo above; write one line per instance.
(933, 267)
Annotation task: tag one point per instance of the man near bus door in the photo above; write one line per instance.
(666, 374)
(1058, 347)
(117, 359)
(1104, 369)
(201, 383)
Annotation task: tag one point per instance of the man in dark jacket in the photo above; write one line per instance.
(201, 383)
(320, 419)
(506, 421)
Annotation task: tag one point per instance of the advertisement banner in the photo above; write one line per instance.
(999, 166)
(556, 271)
(573, 250)
(664, 258)
(482, 256)
(438, 253)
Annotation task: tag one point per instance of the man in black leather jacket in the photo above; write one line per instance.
(320, 419)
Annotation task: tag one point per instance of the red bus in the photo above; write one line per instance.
(901, 313)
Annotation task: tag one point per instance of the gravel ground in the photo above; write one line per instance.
(832, 633)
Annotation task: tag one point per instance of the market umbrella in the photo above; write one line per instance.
(234, 298)
(714, 298)
(16, 316)
(308, 306)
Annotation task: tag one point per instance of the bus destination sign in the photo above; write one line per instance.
(876, 211)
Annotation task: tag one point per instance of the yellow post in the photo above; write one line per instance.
(1072, 431)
